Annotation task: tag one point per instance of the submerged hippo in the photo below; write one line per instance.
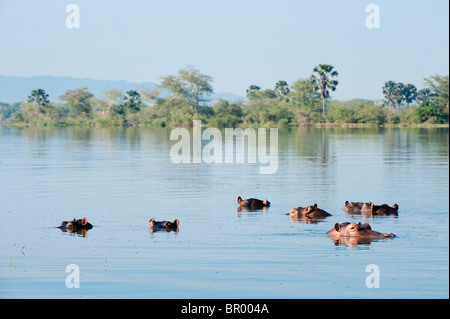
(163, 225)
(370, 208)
(312, 212)
(79, 226)
(356, 230)
(353, 207)
(380, 209)
(252, 203)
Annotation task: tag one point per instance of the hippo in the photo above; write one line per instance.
(312, 212)
(356, 230)
(79, 226)
(369, 208)
(253, 203)
(353, 207)
(380, 209)
(163, 225)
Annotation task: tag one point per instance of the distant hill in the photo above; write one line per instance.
(16, 89)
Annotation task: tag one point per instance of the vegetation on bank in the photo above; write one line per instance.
(180, 98)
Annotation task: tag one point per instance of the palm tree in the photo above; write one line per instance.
(389, 92)
(409, 93)
(282, 90)
(396, 92)
(323, 81)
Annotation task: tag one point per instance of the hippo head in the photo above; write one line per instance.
(171, 225)
(163, 225)
(351, 229)
(379, 209)
(356, 230)
(367, 207)
(300, 211)
(253, 203)
(79, 226)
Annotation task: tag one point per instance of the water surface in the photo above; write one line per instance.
(120, 178)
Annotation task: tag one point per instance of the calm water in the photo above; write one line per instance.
(119, 179)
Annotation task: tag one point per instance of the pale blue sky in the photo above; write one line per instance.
(237, 42)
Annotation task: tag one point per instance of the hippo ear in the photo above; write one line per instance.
(395, 207)
(315, 206)
(265, 202)
(84, 221)
(371, 207)
(151, 221)
(176, 222)
(337, 227)
(239, 200)
(346, 203)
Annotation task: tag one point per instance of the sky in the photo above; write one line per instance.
(236, 42)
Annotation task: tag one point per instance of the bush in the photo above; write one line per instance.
(430, 113)
(371, 114)
(341, 114)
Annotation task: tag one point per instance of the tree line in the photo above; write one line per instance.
(180, 98)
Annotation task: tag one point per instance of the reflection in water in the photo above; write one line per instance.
(251, 212)
(79, 232)
(349, 241)
(306, 219)
(249, 209)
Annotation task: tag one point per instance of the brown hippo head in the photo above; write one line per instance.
(380, 209)
(310, 211)
(79, 226)
(163, 225)
(252, 203)
(356, 230)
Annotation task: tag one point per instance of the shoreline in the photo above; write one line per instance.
(94, 124)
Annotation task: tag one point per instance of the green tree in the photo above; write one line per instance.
(252, 91)
(150, 96)
(423, 95)
(304, 93)
(399, 94)
(282, 90)
(389, 92)
(132, 101)
(38, 99)
(109, 99)
(78, 101)
(439, 87)
(190, 85)
(409, 94)
(394, 93)
(227, 114)
(430, 112)
(323, 78)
